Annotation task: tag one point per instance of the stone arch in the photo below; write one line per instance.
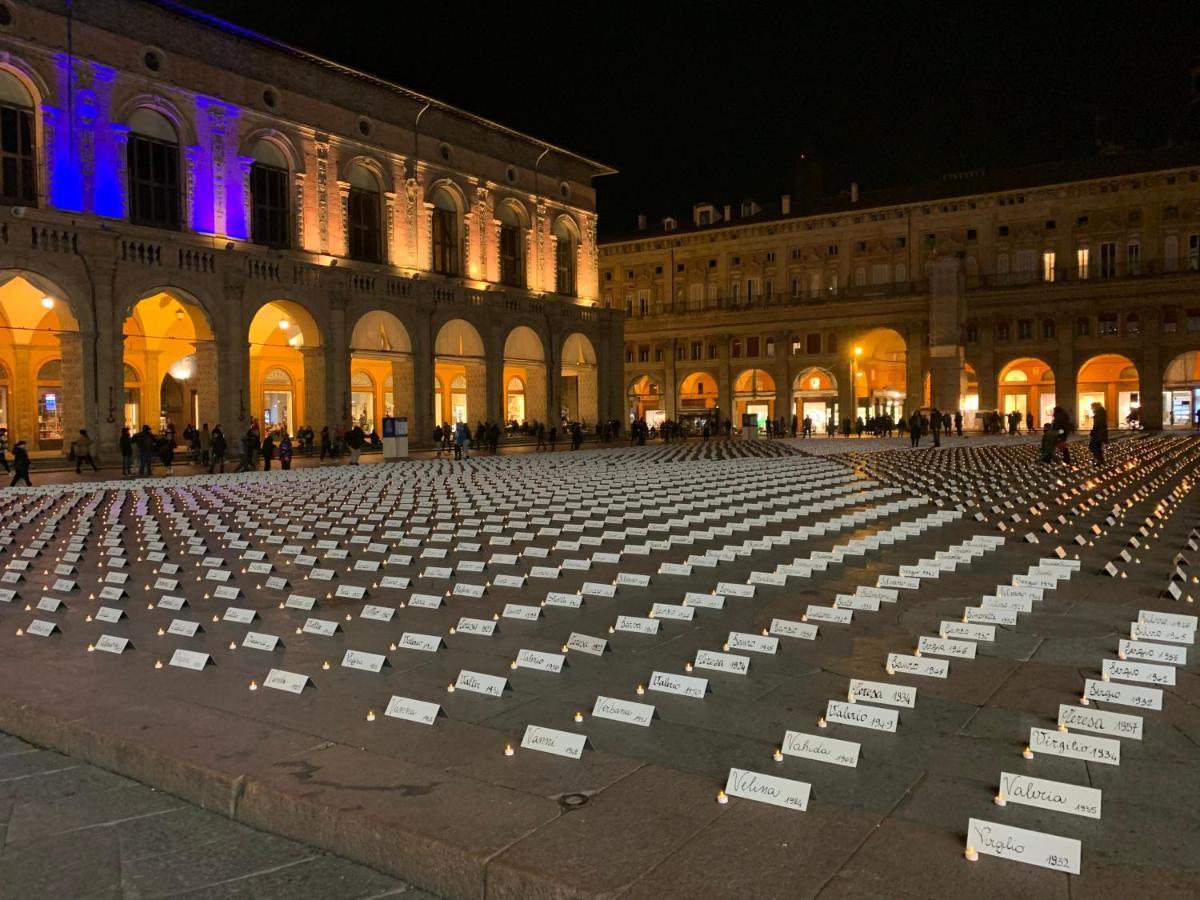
(380, 346)
(39, 325)
(459, 352)
(754, 393)
(283, 333)
(1026, 385)
(361, 161)
(579, 379)
(879, 378)
(815, 397)
(185, 132)
(645, 397)
(525, 359)
(282, 142)
(1181, 390)
(1112, 380)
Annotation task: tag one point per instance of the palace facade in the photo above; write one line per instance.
(1060, 284)
(199, 224)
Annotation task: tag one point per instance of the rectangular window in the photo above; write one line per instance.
(680, 353)
(813, 343)
(1047, 265)
(445, 240)
(564, 259)
(1106, 324)
(1193, 259)
(795, 287)
(831, 344)
(1133, 258)
(269, 205)
(658, 354)
(1108, 259)
(1024, 329)
(643, 354)
(697, 350)
(18, 181)
(1082, 326)
(1003, 331)
(153, 182)
(796, 346)
(362, 207)
(510, 256)
(752, 347)
(1133, 325)
(1048, 329)
(1081, 262)
(972, 332)
(712, 351)
(1170, 322)
(1193, 320)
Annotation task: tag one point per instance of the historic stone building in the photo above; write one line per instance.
(1054, 285)
(200, 224)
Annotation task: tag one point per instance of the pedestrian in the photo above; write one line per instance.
(285, 452)
(914, 428)
(268, 452)
(935, 421)
(1099, 435)
(125, 443)
(437, 439)
(205, 445)
(1049, 441)
(166, 452)
(326, 444)
(958, 422)
(1061, 423)
(355, 440)
(145, 448)
(82, 448)
(552, 438)
(541, 435)
(20, 465)
(1029, 422)
(219, 448)
(4, 446)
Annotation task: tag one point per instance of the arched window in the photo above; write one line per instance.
(18, 165)
(362, 211)
(153, 170)
(512, 272)
(269, 216)
(445, 234)
(565, 252)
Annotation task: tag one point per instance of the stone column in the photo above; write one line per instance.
(420, 427)
(783, 383)
(72, 397)
(914, 367)
(318, 410)
(22, 402)
(847, 392)
(206, 383)
(670, 383)
(493, 409)
(478, 406)
(989, 388)
(536, 393)
(1150, 378)
(947, 315)
(725, 380)
(589, 394)
(1066, 372)
(402, 391)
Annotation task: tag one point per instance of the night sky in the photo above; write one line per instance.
(714, 101)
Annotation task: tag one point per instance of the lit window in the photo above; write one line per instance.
(153, 170)
(1081, 261)
(565, 253)
(363, 216)
(18, 165)
(269, 213)
(1048, 265)
(512, 272)
(446, 238)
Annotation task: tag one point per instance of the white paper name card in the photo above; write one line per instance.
(377, 613)
(672, 611)
(821, 749)
(733, 589)
(788, 628)
(990, 616)
(1058, 796)
(1122, 694)
(768, 789)
(899, 582)
(110, 644)
(365, 662)
(227, 592)
(41, 628)
(1163, 653)
(967, 630)
(292, 682)
(829, 614)
(189, 659)
(550, 740)
(543, 662)
(509, 581)
(862, 716)
(419, 711)
(630, 579)
(257, 641)
(321, 627)
(1033, 847)
(593, 646)
(755, 643)
(722, 662)
(63, 586)
(108, 614)
(49, 604)
(350, 592)
(429, 643)
(623, 711)
(425, 601)
(684, 685)
(946, 647)
(483, 627)
(1171, 620)
(519, 611)
(882, 692)
(637, 624)
(183, 628)
(1144, 632)
(299, 601)
(598, 589)
(703, 601)
(853, 601)
(1075, 746)
(1081, 718)
(1146, 673)
(916, 665)
(479, 683)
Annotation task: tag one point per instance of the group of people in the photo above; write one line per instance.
(1059, 428)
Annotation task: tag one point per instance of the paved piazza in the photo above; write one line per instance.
(739, 670)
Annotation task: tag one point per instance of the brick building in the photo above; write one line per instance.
(1058, 284)
(203, 225)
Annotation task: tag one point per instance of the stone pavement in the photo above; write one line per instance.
(687, 561)
(70, 830)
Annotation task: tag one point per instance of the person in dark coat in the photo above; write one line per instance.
(285, 452)
(935, 419)
(1061, 423)
(126, 444)
(219, 448)
(268, 452)
(1099, 435)
(20, 465)
(914, 428)
(958, 423)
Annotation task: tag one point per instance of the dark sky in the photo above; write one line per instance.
(713, 101)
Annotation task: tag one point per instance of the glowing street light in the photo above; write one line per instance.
(284, 324)
(47, 303)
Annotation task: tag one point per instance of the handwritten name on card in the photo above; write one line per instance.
(882, 692)
(479, 683)
(1123, 694)
(1058, 796)
(1146, 632)
(377, 613)
(481, 627)
(623, 711)
(1033, 847)
(1146, 673)
(946, 647)
(321, 627)
(520, 611)
(637, 624)
(821, 749)
(593, 646)
(292, 682)
(967, 631)
(1075, 746)
(189, 659)
(703, 601)
(733, 589)
(990, 616)
(672, 611)
(684, 685)
(771, 789)
(110, 644)
(429, 643)
(550, 740)
(366, 662)
(916, 665)
(788, 628)
(829, 614)
(182, 628)
(1082, 718)
(108, 614)
(542, 662)
(722, 662)
(419, 711)
(862, 716)
(1162, 653)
